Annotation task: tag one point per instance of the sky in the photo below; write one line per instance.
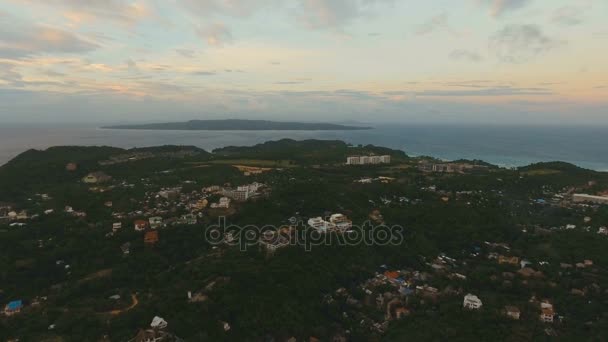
(440, 61)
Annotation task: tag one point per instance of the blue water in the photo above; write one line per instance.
(501, 145)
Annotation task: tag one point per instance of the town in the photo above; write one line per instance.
(120, 246)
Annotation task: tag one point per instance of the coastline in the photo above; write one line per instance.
(502, 146)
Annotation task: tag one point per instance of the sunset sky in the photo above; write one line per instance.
(503, 61)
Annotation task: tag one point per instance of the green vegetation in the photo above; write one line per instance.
(78, 266)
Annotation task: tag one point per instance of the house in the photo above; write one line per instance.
(188, 219)
(71, 167)
(170, 194)
(158, 323)
(125, 248)
(151, 237)
(320, 224)
(273, 240)
(13, 307)
(401, 312)
(212, 189)
(512, 312)
(223, 203)
(513, 260)
(527, 272)
(225, 325)
(391, 274)
(96, 178)
(155, 222)
(340, 221)
(140, 225)
(22, 215)
(546, 312)
(471, 301)
(150, 335)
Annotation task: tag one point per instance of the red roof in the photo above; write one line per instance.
(391, 274)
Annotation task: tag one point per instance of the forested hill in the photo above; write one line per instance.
(306, 151)
(239, 125)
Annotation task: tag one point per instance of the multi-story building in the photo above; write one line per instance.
(363, 160)
(581, 198)
(223, 203)
(239, 194)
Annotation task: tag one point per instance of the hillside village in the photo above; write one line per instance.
(119, 238)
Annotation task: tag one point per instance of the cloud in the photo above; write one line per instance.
(520, 43)
(334, 14)
(215, 34)
(131, 65)
(465, 55)
(435, 23)
(9, 76)
(204, 73)
(18, 40)
(232, 8)
(500, 7)
(295, 81)
(568, 16)
(80, 11)
(186, 53)
(600, 34)
(491, 91)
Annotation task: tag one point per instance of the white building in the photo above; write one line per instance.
(340, 221)
(224, 202)
(363, 160)
(320, 224)
(158, 323)
(579, 198)
(471, 301)
(352, 160)
(155, 222)
(546, 312)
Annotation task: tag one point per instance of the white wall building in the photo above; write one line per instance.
(579, 198)
(363, 160)
(471, 301)
(320, 224)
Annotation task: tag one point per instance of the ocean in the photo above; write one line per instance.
(507, 146)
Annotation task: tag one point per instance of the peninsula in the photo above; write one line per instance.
(239, 125)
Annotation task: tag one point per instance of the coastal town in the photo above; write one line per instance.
(161, 219)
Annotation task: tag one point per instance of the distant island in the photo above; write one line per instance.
(239, 125)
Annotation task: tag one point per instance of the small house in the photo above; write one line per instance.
(512, 312)
(151, 237)
(471, 301)
(13, 307)
(140, 225)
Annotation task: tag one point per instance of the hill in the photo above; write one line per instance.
(305, 151)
